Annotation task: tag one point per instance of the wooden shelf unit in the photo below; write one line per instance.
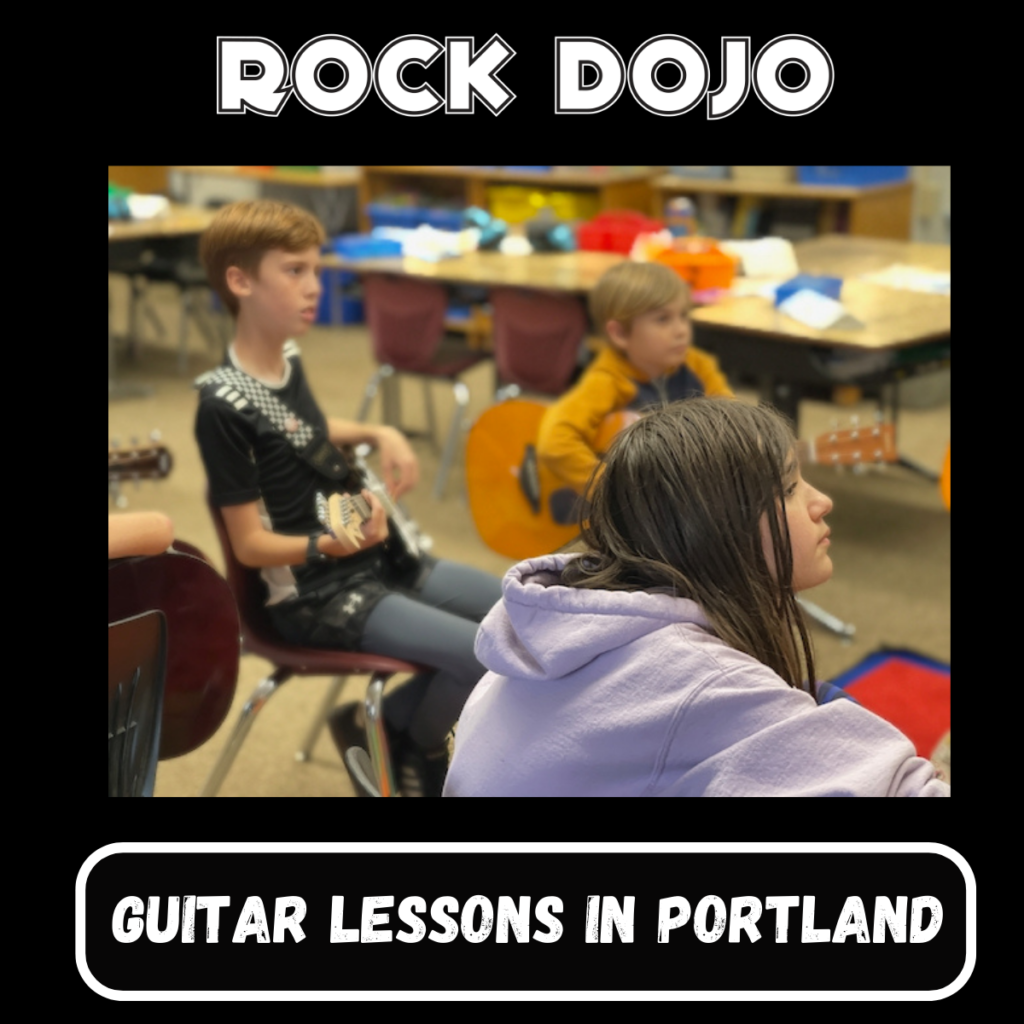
(877, 211)
(617, 188)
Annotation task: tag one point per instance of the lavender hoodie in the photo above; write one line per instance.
(603, 693)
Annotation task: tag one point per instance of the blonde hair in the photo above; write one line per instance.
(630, 289)
(240, 234)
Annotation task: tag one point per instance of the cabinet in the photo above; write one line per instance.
(878, 211)
(611, 187)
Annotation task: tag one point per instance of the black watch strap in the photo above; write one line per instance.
(312, 552)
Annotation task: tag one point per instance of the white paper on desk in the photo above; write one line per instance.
(914, 279)
(764, 257)
(819, 311)
(147, 207)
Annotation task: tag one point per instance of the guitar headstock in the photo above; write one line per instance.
(858, 445)
(341, 515)
(138, 462)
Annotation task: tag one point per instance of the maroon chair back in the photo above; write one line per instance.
(537, 338)
(406, 320)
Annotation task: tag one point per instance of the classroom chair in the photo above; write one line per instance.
(287, 660)
(135, 698)
(173, 261)
(537, 339)
(406, 320)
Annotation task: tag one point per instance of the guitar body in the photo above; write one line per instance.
(512, 525)
(502, 512)
(191, 603)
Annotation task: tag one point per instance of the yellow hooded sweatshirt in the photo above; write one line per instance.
(567, 442)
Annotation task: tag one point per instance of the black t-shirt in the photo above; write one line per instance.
(248, 459)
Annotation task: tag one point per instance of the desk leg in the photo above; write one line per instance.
(784, 396)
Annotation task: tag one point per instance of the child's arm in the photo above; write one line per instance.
(257, 547)
(138, 533)
(399, 466)
(567, 440)
(705, 366)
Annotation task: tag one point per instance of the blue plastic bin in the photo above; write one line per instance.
(444, 220)
(383, 215)
(827, 286)
(851, 175)
(335, 306)
(366, 247)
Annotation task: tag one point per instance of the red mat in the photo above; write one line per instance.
(905, 688)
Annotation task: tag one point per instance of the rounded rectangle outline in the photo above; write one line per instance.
(526, 847)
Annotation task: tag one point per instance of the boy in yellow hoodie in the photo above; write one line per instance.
(643, 310)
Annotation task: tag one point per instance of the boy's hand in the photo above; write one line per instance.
(399, 465)
(374, 531)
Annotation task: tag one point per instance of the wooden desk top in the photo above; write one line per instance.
(314, 179)
(181, 220)
(591, 178)
(893, 318)
(774, 189)
(564, 272)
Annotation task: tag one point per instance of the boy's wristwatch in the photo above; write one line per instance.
(314, 554)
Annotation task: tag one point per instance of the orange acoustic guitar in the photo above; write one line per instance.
(944, 479)
(520, 510)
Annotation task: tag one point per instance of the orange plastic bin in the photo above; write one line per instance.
(700, 262)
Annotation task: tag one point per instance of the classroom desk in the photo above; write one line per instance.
(876, 211)
(330, 193)
(575, 272)
(181, 220)
(905, 332)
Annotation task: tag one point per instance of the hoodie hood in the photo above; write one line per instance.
(544, 630)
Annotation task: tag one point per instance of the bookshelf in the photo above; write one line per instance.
(626, 188)
(877, 211)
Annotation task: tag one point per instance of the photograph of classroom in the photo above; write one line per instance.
(454, 307)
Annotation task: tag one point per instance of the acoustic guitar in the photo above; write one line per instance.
(944, 480)
(136, 463)
(521, 510)
(177, 602)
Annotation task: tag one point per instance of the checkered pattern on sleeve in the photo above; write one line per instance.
(239, 390)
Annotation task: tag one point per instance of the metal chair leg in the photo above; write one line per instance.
(428, 402)
(265, 689)
(370, 391)
(827, 619)
(318, 723)
(376, 736)
(454, 432)
(186, 311)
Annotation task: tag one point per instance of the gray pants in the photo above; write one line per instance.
(436, 627)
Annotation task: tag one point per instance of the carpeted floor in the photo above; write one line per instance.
(890, 536)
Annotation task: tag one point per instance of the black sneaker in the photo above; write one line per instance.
(420, 772)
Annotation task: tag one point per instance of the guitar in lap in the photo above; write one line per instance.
(345, 514)
(521, 510)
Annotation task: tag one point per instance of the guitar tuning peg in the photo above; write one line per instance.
(115, 442)
(855, 420)
(155, 435)
(135, 441)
